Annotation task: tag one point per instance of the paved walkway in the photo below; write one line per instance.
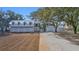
(52, 42)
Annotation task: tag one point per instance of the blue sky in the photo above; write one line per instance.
(21, 10)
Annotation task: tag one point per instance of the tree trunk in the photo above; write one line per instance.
(2, 30)
(75, 29)
(55, 29)
(44, 27)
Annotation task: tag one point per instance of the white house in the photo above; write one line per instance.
(21, 26)
(31, 26)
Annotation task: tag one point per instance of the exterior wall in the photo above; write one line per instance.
(36, 29)
(21, 27)
(52, 29)
(30, 29)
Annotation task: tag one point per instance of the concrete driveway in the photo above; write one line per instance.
(52, 42)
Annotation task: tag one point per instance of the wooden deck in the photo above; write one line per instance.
(20, 42)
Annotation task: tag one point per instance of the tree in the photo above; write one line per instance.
(10, 15)
(6, 17)
(42, 15)
(55, 17)
(2, 21)
(13, 16)
(56, 22)
(68, 14)
(52, 14)
(18, 17)
(71, 17)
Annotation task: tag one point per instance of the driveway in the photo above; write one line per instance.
(52, 42)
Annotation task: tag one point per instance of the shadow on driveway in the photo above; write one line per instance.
(73, 38)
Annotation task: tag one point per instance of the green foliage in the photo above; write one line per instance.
(72, 19)
(46, 15)
(6, 17)
(68, 14)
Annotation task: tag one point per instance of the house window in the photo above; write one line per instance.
(36, 25)
(24, 23)
(13, 23)
(30, 23)
(18, 23)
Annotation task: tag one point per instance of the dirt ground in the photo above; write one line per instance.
(19, 42)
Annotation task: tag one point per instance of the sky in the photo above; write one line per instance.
(21, 10)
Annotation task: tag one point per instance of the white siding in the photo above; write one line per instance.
(31, 29)
(52, 29)
(21, 27)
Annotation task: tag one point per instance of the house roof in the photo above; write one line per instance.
(21, 21)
